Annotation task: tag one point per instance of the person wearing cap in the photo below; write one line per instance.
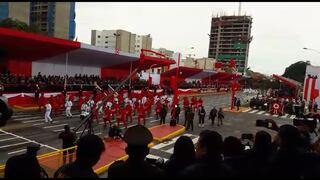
(137, 138)
(25, 165)
(68, 139)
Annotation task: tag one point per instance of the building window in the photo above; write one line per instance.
(138, 45)
(98, 36)
(152, 70)
(106, 46)
(106, 36)
(158, 71)
(106, 42)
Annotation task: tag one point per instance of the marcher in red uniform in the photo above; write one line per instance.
(107, 116)
(200, 102)
(129, 111)
(186, 103)
(121, 117)
(141, 114)
(194, 102)
(95, 113)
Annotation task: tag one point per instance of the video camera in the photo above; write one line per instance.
(267, 123)
(156, 162)
(5, 112)
(247, 140)
(308, 121)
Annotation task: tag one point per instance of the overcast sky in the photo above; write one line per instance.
(279, 30)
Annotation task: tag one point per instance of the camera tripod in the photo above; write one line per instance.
(87, 121)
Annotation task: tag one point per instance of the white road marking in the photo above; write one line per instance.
(31, 141)
(33, 121)
(260, 112)
(154, 121)
(27, 118)
(37, 124)
(254, 111)
(13, 152)
(172, 141)
(46, 127)
(59, 130)
(267, 114)
(155, 157)
(81, 131)
(16, 144)
(275, 115)
(1, 140)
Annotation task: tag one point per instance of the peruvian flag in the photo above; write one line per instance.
(310, 91)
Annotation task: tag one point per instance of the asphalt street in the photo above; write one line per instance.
(27, 127)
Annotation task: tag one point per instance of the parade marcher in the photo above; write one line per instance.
(121, 117)
(137, 139)
(141, 114)
(129, 111)
(186, 103)
(158, 108)
(163, 114)
(202, 114)
(189, 118)
(84, 111)
(68, 140)
(213, 115)
(47, 117)
(200, 102)
(238, 104)
(68, 106)
(107, 116)
(220, 116)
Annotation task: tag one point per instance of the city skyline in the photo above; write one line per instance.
(279, 30)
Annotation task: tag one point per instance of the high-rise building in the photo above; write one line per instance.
(200, 63)
(55, 19)
(121, 39)
(229, 39)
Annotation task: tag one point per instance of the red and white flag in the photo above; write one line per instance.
(310, 91)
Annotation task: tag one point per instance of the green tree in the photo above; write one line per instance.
(19, 25)
(296, 71)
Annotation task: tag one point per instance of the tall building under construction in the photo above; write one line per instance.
(229, 39)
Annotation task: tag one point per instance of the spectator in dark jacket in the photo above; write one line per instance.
(89, 150)
(233, 155)
(68, 139)
(183, 155)
(209, 161)
(163, 114)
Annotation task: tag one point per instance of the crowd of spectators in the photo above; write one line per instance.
(52, 83)
(288, 154)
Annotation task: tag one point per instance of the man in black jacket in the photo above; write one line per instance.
(163, 114)
(213, 115)
(209, 158)
(68, 139)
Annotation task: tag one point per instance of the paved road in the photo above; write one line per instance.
(29, 127)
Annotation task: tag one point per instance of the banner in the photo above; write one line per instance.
(312, 84)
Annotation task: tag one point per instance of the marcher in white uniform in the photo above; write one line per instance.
(47, 117)
(144, 100)
(68, 106)
(84, 112)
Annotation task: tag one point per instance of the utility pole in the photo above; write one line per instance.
(239, 10)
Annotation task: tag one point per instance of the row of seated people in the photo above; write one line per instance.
(289, 154)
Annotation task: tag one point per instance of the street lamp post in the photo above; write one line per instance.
(311, 50)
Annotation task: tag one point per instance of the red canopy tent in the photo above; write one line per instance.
(295, 85)
(20, 50)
